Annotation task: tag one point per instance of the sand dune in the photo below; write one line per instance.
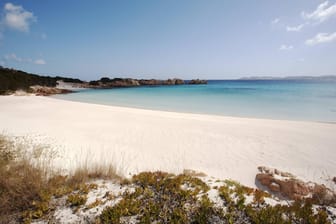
(137, 140)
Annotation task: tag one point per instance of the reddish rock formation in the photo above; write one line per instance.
(47, 91)
(290, 187)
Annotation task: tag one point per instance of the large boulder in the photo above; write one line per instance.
(287, 185)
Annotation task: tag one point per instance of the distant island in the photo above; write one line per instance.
(308, 78)
(12, 80)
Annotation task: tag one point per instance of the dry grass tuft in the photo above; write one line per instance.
(98, 171)
(21, 183)
(28, 181)
(193, 173)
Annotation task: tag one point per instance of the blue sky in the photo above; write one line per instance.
(161, 39)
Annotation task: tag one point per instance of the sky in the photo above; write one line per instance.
(215, 39)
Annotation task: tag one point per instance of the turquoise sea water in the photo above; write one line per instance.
(290, 100)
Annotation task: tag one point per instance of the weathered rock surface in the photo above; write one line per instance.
(289, 186)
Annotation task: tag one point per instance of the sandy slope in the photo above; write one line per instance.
(137, 140)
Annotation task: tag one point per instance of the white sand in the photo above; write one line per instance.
(137, 140)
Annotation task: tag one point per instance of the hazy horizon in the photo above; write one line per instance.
(167, 39)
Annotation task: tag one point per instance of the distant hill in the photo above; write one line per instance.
(312, 78)
(12, 80)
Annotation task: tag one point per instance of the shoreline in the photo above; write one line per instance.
(55, 96)
(140, 139)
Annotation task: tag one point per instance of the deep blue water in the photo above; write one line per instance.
(292, 100)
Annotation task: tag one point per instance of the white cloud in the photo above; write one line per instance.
(17, 18)
(39, 62)
(295, 28)
(322, 12)
(15, 58)
(321, 38)
(275, 21)
(285, 47)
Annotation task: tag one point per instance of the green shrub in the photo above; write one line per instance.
(162, 197)
(76, 199)
(11, 80)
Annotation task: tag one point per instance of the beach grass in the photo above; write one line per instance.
(28, 181)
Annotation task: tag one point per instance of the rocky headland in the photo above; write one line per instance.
(106, 82)
(13, 81)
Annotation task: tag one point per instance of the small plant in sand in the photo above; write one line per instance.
(76, 199)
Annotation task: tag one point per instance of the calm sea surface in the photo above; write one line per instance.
(291, 100)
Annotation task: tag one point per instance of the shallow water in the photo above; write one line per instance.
(290, 100)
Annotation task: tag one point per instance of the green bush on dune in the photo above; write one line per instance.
(11, 80)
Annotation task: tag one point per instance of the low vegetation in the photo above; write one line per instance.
(30, 189)
(28, 182)
(166, 198)
(12, 80)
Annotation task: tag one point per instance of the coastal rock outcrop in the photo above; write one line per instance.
(173, 82)
(288, 186)
(197, 82)
(128, 82)
(47, 91)
(110, 83)
(150, 82)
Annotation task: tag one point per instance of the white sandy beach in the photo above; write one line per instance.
(136, 140)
